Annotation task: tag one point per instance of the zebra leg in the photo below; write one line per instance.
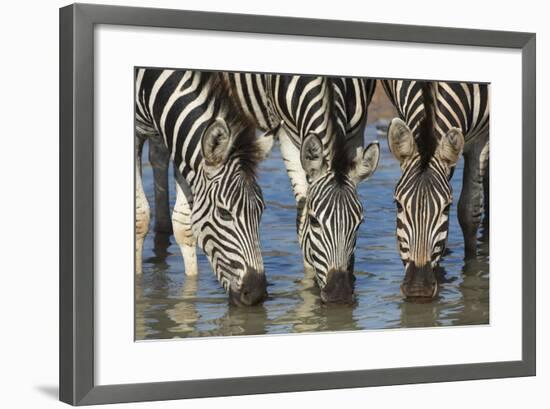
(291, 157)
(182, 225)
(470, 204)
(143, 212)
(159, 158)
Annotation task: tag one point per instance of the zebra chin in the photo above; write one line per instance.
(419, 283)
(253, 290)
(339, 288)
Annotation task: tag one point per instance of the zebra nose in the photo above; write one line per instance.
(339, 288)
(419, 282)
(253, 289)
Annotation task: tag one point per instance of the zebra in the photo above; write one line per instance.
(437, 123)
(215, 151)
(321, 124)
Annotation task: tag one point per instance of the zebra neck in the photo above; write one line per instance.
(191, 176)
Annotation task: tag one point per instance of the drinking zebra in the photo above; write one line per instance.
(215, 152)
(437, 123)
(321, 139)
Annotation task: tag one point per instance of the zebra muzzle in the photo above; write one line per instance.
(419, 282)
(253, 290)
(339, 288)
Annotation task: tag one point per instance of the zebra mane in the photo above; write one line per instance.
(341, 161)
(427, 141)
(245, 146)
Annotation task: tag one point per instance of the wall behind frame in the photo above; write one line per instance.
(29, 174)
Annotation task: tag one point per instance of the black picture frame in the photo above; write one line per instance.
(76, 281)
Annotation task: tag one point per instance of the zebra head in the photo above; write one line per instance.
(423, 196)
(227, 208)
(333, 213)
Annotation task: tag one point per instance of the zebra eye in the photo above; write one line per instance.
(447, 208)
(313, 221)
(399, 207)
(225, 214)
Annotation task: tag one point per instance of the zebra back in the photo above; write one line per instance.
(306, 104)
(459, 105)
(179, 105)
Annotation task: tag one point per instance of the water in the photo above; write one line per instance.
(171, 305)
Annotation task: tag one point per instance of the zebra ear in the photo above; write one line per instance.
(216, 143)
(312, 158)
(365, 162)
(450, 147)
(401, 140)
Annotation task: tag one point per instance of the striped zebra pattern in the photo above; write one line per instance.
(215, 152)
(300, 101)
(437, 122)
(458, 105)
(321, 138)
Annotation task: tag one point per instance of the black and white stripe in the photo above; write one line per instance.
(300, 101)
(215, 151)
(320, 115)
(438, 121)
(457, 105)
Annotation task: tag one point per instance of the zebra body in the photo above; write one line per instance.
(319, 116)
(457, 105)
(437, 123)
(302, 103)
(215, 151)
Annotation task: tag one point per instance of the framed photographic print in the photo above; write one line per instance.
(254, 204)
